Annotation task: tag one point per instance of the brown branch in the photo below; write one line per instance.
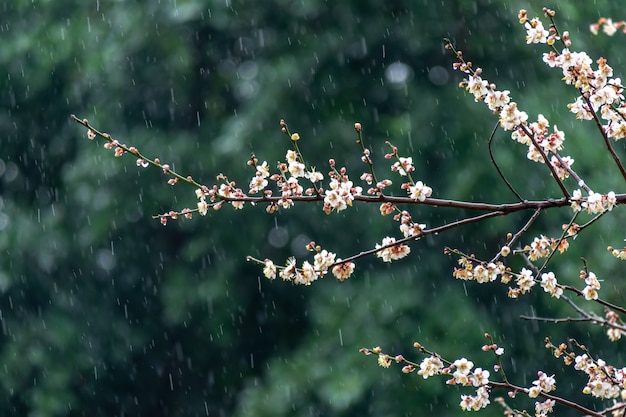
(435, 230)
(555, 320)
(520, 232)
(599, 300)
(133, 151)
(558, 400)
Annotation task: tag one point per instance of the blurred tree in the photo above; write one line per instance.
(106, 313)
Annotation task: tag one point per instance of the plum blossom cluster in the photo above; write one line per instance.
(417, 190)
(543, 144)
(543, 383)
(594, 203)
(473, 270)
(408, 227)
(483, 272)
(600, 93)
(390, 251)
(592, 285)
(604, 380)
(227, 191)
(460, 372)
(323, 262)
(615, 327)
(342, 191)
(609, 27)
(550, 285)
(618, 253)
(543, 246)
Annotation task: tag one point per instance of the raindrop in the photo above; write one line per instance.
(278, 237)
(226, 68)
(4, 282)
(10, 172)
(438, 75)
(248, 70)
(105, 259)
(246, 90)
(398, 73)
(4, 221)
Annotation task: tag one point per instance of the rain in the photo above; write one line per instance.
(112, 306)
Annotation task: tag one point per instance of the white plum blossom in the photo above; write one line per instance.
(323, 260)
(476, 402)
(431, 365)
(392, 253)
(404, 166)
(544, 384)
(478, 87)
(535, 32)
(420, 191)
(550, 285)
(593, 285)
(340, 195)
(269, 270)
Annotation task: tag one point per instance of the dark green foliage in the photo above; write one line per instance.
(104, 312)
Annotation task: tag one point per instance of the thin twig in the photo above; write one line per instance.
(520, 232)
(555, 320)
(559, 400)
(564, 235)
(495, 164)
(434, 230)
(136, 153)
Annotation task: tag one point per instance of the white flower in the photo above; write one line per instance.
(420, 191)
(314, 176)
(269, 270)
(291, 156)
(535, 32)
(477, 86)
(340, 195)
(463, 366)
(296, 169)
(404, 166)
(549, 285)
(263, 170)
(323, 260)
(497, 99)
(392, 253)
(525, 280)
(430, 366)
(203, 207)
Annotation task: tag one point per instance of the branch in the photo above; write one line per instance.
(435, 231)
(493, 161)
(559, 400)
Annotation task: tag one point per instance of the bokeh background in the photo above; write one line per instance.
(104, 312)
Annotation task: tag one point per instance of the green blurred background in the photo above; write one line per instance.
(105, 312)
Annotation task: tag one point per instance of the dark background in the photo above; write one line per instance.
(105, 312)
